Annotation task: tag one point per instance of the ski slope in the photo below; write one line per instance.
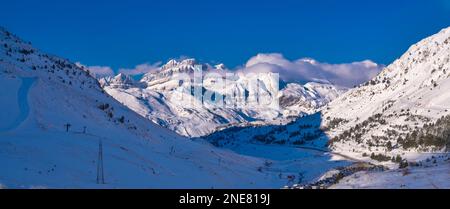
(22, 100)
(40, 94)
(38, 153)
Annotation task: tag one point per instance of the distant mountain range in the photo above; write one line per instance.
(57, 119)
(55, 115)
(150, 97)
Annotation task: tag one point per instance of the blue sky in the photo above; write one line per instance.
(127, 33)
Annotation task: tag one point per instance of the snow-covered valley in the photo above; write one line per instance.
(55, 116)
(399, 118)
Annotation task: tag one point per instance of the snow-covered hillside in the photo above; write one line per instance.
(398, 118)
(404, 109)
(55, 115)
(151, 98)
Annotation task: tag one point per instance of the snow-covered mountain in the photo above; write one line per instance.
(152, 96)
(54, 116)
(398, 120)
(405, 108)
(400, 114)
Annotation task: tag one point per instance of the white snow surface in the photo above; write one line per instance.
(407, 94)
(41, 93)
(429, 176)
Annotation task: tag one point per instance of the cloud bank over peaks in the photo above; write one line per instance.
(97, 71)
(301, 70)
(141, 69)
(307, 70)
(106, 71)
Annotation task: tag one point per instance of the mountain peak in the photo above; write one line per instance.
(185, 63)
(220, 66)
(120, 80)
(190, 61)
(122, 77)
(171, 63)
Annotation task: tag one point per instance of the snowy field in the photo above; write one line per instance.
(54, 115)
(37, 152)
(431, 177)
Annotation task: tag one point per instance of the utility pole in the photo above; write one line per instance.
(100, 175)
(67, 126)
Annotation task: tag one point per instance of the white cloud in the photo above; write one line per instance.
(141, 69)
(97, 71)
(306, 70)
(301, 70)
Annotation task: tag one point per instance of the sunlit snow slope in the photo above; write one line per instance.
(404, 109)
(54, 115)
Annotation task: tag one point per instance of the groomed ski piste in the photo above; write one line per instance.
(22, 101)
